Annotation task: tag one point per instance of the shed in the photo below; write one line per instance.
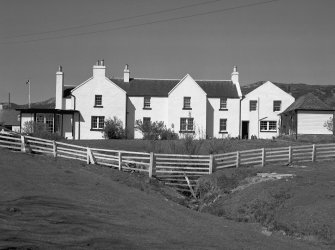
(307, 115)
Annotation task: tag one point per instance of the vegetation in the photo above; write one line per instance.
(155, 130)
(329, 124)
(301, 206)
(113, 129)
(39, 130)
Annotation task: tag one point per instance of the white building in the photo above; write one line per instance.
(260, 111)
(206, 108)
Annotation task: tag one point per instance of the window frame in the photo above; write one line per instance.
(275, 107)
(264, 126)
(98, 121)
(147, 102)
(253, 105)
(186, 125)
(223, 103)
(224, 125)
(187, 103)
(97, 101)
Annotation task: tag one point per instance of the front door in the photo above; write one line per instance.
(245, 129)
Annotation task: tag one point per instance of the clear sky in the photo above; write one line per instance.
(281, 41)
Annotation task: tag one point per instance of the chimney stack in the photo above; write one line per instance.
(59, 88)
(126, 73)
(235, 80)
(99, 69)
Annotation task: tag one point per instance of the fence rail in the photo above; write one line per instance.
(178, 171)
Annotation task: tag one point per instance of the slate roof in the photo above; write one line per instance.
(9, 117)
(67, 91)
(161, 87)
(308, 102)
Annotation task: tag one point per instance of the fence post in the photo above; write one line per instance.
(263, 157)
(211, 164)
(54, 149)
(313, 153)
(237, 159)
(89, 157)
(152, 165)
(23, 147)
(289, 155)
(120, 160)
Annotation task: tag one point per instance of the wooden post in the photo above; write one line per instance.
(237, 159)
(89, 158)
(211, 164)
(152, 166)
(289, 155)
(54, 149)
(313, 153)
(120, 161)
(23, 147)
(263, 157)
(190, 186)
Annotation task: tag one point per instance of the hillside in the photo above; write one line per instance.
(325, 92)
(65, 204)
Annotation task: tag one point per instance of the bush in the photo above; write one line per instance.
(113, 129)
(39, 130)
(155, 130)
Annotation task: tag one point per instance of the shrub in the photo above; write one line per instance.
(39, 130)
(329, 124)
(113, 129)
(155, 130)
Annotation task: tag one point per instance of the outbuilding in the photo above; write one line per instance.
(307, 115)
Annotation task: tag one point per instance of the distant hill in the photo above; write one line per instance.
(47, 104)
(326, 93)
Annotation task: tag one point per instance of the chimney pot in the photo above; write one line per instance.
(126, 73)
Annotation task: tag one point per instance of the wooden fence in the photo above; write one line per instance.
(178, 171)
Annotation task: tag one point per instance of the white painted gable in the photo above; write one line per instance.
(265, 95)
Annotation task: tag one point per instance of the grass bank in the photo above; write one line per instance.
(302, 206)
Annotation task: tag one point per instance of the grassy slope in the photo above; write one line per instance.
(48, 203)
(302, 206)
(184, 147)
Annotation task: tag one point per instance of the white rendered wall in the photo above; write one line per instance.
(312, 122)
(231, 114)
(69, 103)
(264, 95)
(26, 117)
(188, 88)
(113, 102)
(135, 111)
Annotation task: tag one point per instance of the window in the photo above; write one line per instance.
(98, 101)
(146, 104)
(47, 120)
(253, 105)
(97, 122)
(223, 125)
(186, 125)
(146, 121)
(49, 123)
(223, 103)
(187, 103)
(268, 126)
(276, 106)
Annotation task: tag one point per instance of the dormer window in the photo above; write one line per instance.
(223, 103)
(98, 101)
(187, 103)
(147, 102)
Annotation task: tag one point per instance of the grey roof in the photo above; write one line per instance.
(308, 102)
(9, 117)
(161, 87)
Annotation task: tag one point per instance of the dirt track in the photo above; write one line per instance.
(47, 203)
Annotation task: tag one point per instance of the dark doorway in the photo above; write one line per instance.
(245, 129)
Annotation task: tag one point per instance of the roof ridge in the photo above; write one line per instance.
(145, 78)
